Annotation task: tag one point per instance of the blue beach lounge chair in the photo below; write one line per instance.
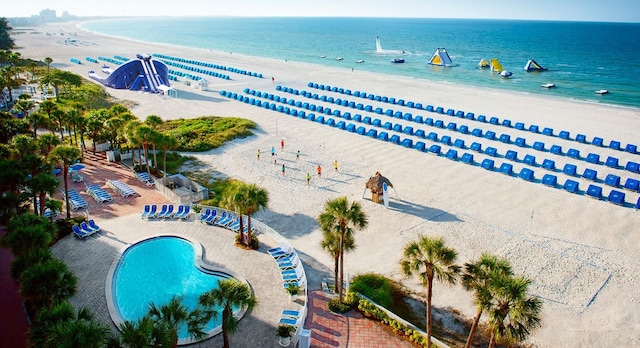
(77, 232)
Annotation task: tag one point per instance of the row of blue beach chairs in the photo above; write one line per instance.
(464, 129)
(166, 212)
(224, 219)
(289, 264)
(123, 189)
(206, 65)
(75, 200)
(597, 141)
(592, 158)
(85, 229)
(436, 149)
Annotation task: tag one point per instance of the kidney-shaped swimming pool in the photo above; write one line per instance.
(155, 270)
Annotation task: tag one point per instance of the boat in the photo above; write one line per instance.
(359, 61)
(339, 58)
(548, 85)
(323, 56)
(397, 60)
(602, 91)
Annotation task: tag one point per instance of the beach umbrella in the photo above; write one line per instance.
(375, 182)
(76, 167)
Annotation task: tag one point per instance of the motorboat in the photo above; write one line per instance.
(505, 73)
(339, 58)
(323, 56)
(548, 85)
(359, 61)
(397, 60)
(602, 91)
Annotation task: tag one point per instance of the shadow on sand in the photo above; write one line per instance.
(421, 211)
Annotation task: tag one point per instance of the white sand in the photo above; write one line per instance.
(581, 254)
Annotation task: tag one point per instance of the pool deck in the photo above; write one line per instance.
(91, 258)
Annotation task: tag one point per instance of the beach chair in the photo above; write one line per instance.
(538, 145)
(632, 167)
(186, 212)
(506, 168)
(631, 148)
(86, 229)
(526, 174)
(612, 162)
(205, 215)
(594, 191)
(146, 211)
(234, 225)
(77, 232)
(570, 169)
(290, 313)
(616, 197)
(212, 217)
(549, 164)
(491, 151)
(556, 149)
(153, 212)
(632, 184)
(179, 212)
(487, 164)
(590, 174)
(93, 225)
(163, 211)
(550, 180)
(637, 206)
(593, 158)
(279, 251)
(169, 213)
(529, 160)
(288, 321)
(612, 180)
(225, 219)
(571, 186)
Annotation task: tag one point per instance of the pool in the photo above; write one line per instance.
(155, 270)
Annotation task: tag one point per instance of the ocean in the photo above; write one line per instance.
(581, 57)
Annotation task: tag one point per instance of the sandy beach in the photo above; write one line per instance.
(582, 254)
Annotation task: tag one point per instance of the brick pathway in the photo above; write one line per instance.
(351, 329)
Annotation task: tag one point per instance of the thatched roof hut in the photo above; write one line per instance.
(375, 182)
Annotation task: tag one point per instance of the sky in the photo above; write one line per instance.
(572, 10)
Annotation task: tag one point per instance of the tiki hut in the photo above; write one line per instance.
(375, 185)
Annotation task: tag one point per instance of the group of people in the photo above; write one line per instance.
(308, 177)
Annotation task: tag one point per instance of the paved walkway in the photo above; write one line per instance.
(349, 330)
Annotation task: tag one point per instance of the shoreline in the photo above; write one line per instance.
(574, 249)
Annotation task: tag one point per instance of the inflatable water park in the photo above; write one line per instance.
(140, 74)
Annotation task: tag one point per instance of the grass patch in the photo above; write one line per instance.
(206, 133)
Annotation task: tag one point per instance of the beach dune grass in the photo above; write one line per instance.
(206, 133)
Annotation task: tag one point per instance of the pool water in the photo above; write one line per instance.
(157, 269)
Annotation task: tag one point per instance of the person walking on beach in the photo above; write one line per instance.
(319, 169)
(258, 154)
(282, 144)
(335, 165)
(298, 155)
(273, 151)
(308, 178)
(283, 169)
(273, 79)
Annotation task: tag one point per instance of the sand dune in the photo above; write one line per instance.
(582, 254)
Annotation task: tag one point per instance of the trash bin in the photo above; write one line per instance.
(111, 157)
(305, 338)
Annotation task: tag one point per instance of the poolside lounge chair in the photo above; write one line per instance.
(153, 213)
(291, 313)
(123, 189)
(186, 212)
(98, 193)
(288, 263)
(84, 227)
(299, 284)
(77, 232)
(163, 211)
(179, 212)
(235, 225)
(146, 212)
(169, 213)
(93, 225)
(205, 215)
(146, 178)
(212, 217)
(288, 321)
(225, 220)
(281, 251)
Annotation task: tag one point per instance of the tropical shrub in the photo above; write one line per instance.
(336, 306)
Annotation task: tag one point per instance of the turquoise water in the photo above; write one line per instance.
(582, 57)
(155, 270)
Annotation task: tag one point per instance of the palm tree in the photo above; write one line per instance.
(331, 243)
(229, 294)
(476, 277)
(47, 106)
(28, 232)
(344, 218)
(59, 116)
(47, 283)
(512, 312)
(41, 184)
(154, 121)
(430, 258)
(48, 61)
(145, 134)
(61, 326)
(46, 142)
(141, 333)
(166, 143)
(252, 200)
(171, 316)
(66, 155)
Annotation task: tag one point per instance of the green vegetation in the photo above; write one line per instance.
(206, 133)
(376, 287)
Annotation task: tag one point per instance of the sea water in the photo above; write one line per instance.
(581, 57)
